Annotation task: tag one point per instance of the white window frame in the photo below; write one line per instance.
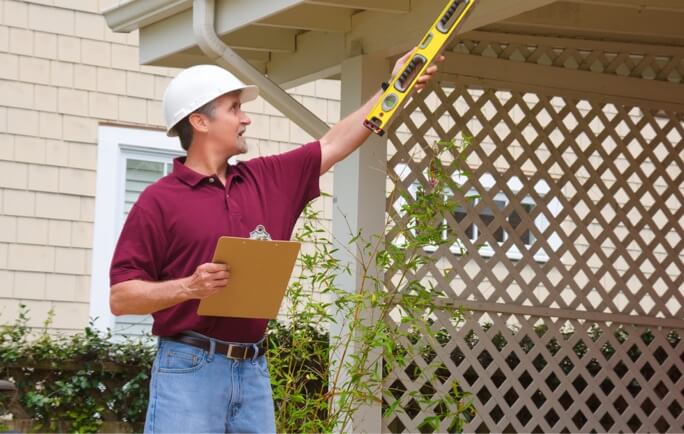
(488, 183)
(115, 145)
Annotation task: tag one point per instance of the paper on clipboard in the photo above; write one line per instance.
(259, 273)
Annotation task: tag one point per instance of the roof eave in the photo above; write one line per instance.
(132, 15)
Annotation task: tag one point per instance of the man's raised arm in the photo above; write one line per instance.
(349, 133)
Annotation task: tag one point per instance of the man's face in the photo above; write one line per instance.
(228, 124)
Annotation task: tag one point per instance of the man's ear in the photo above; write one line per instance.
(199, 122)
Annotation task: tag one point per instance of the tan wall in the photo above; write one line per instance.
(62, 72)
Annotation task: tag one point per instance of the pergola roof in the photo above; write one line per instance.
(294, 41)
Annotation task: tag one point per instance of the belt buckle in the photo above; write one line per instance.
(230, 350)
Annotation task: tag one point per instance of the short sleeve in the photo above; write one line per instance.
(296, 173)
(139, 251)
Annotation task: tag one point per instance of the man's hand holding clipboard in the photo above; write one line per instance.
(259, 273)
(207, 280)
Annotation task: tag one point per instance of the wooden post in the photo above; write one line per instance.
(359, 202)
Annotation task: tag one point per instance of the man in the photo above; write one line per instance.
(210, 373)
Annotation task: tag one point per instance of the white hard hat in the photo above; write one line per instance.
(196, 86)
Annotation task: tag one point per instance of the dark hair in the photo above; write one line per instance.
(184, 128)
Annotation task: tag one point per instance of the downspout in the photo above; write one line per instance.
(203, 15)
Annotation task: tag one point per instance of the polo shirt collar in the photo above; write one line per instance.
(192, 178)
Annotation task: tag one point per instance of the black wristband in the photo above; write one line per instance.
(384, 85)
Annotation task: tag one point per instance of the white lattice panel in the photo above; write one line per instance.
(543, 374)
(568, 208)
(605, 181)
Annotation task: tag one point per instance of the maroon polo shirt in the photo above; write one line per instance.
(174, 226)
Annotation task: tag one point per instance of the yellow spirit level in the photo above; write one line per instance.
(429, 49)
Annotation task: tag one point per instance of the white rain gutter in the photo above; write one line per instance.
(203, 15)
(127, 16)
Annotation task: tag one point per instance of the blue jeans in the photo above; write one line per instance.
(199, 391)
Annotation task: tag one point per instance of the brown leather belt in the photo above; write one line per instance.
(232, 351)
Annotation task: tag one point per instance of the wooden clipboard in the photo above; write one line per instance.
(259, 273)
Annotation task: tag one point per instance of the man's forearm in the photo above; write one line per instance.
(139, 297)
(346, 135)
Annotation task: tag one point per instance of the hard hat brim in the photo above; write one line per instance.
(247, 93)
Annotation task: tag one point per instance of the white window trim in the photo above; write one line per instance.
(488, 183)
(114, 145)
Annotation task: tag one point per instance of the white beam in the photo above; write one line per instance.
(235, 14)
(626, 90)
(329, 73)
(659, 5)
(492, 11)
(602, 20)
(262, 39)
(387, 6)
(183, 60)
(311, 17)
(316, 53)
(251, 55)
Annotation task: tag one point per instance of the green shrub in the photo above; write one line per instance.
(75, 382)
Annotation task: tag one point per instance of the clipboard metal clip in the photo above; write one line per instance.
(259, 233)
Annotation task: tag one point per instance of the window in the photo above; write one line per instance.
(487, 215)
(140, 173)
(128, 161)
